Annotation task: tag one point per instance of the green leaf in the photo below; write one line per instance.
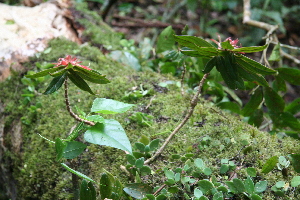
(198, 193)
(55, 84)
(293, 107)
(251, 171)
(250, 49)
(145, 170)
(227, 45)
(275, 55)
(227, 77)
(87, 191)
(139, 163)
(205, 186)
(169, 174)
(109, 106)
(239, 185)
(295, 181)
(288, 120)
(165, 40)
(161, 197)
(296, 162)
(260, 186)
(253, 66)
(230, 106)
(144, 139)
(231, 187)
(199, 163)
(253, 103)
(256, 118)
(59, 147)
(91, 75)
(279, 84)
(173, 189)
(58, 73)
(111, 133)
(270, 164)
(77, 173)
(44, 72)
(200, 52)
(218, 196)
(255, 197)
(138, 190)
(73, 149)
(273, 101)
(154, 144)
(191, 42)
(210, 65)
(252, 77)
(140, 146)
(95, 118)
(249, 185)
(78, 81)
(106, 185)
(131, 159)
(290, 75)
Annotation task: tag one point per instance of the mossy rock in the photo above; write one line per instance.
(38, 175)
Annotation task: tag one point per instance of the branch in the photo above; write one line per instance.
(142, 23)
(69, 107)
(193, 103)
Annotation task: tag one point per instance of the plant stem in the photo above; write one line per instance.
(69, 107)
(193, 104)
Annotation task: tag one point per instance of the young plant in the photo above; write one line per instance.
(96, 129)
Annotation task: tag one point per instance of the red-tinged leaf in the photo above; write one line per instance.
(274, 102)
(91, 75)
(79, 82)
(191, 41)
(55, 84)
(290, 75)
(44, 72)
(269, 165)
(250, 49)
(256, 118)
(253, 103)
(253, 66)
(296, 162)
(58, 73)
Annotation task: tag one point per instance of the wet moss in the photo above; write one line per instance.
(211, 134)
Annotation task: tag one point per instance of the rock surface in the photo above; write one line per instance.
(26, 31)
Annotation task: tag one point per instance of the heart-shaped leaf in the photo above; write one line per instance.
(73, 149)
(109, 106)
(110, 133)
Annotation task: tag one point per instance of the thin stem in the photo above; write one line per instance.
(193, 104)
(69, 107)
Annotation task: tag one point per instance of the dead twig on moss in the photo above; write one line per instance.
(193, 104)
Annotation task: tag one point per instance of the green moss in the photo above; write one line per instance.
(210, 134)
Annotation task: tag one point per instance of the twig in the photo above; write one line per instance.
(159, 189)
(142, 23)
(69, 107)
(193, 103)
(149, 104)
